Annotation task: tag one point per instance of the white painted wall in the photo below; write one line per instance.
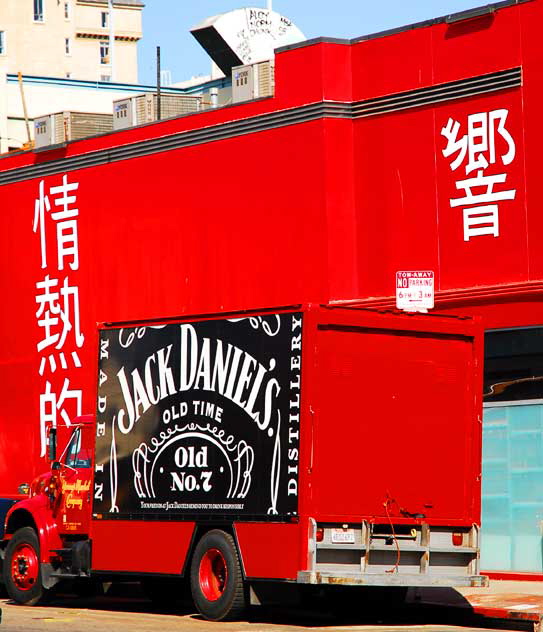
(3, 111)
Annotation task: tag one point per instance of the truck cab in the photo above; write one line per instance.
(46, 535)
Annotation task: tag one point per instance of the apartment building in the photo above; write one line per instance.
(62, 49)
(71, 38)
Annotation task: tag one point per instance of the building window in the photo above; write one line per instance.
(104, 52)
(67, 11)
(67, 46)
(38, 10)
(105, 19)
(512, 469)
(514, 365)
(106, 78)
(2, 42)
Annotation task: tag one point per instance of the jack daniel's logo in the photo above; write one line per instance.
(191, 413)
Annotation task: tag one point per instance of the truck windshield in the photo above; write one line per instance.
(76, 455)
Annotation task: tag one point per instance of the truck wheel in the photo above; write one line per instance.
(215, 577)
(22, 574)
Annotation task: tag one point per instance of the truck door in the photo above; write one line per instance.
(74, 477)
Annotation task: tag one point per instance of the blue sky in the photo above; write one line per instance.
(167, 23)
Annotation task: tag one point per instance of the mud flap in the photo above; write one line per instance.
(47, 577)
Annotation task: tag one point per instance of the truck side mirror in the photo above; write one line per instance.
(53, 444)
(24, 489)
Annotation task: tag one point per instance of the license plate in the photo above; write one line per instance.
(343, 536)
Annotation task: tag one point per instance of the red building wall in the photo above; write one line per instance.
(320, 193)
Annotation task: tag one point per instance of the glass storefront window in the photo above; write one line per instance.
(512, 485)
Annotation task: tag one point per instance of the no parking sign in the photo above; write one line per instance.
(415, 290)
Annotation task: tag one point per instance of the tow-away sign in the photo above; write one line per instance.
(415, 290)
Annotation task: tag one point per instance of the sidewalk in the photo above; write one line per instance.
(520, 601)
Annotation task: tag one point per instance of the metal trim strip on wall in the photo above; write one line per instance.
(421, 97)
(518, 402)
(503, 80)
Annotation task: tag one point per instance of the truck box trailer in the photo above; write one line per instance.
(309, 445)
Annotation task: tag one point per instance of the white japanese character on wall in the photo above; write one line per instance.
(58, 316)
(476, 150)
(56, 214)
(53, 407)
(65, 221)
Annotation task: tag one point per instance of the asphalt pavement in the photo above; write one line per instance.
(120, 612)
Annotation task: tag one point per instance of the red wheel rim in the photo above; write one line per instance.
(213, 574)
(25, 566)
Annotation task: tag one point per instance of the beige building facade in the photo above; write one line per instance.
(71, 38)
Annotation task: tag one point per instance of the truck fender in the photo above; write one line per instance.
(35, 512)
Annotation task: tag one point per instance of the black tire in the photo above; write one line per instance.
(216, 580)
(22, 568)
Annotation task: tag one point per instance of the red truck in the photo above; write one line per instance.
(253, 452)
(356, 168)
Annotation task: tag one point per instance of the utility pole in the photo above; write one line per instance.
(25, 111)
(158, 85)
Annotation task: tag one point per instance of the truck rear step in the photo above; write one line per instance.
(393, 555)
